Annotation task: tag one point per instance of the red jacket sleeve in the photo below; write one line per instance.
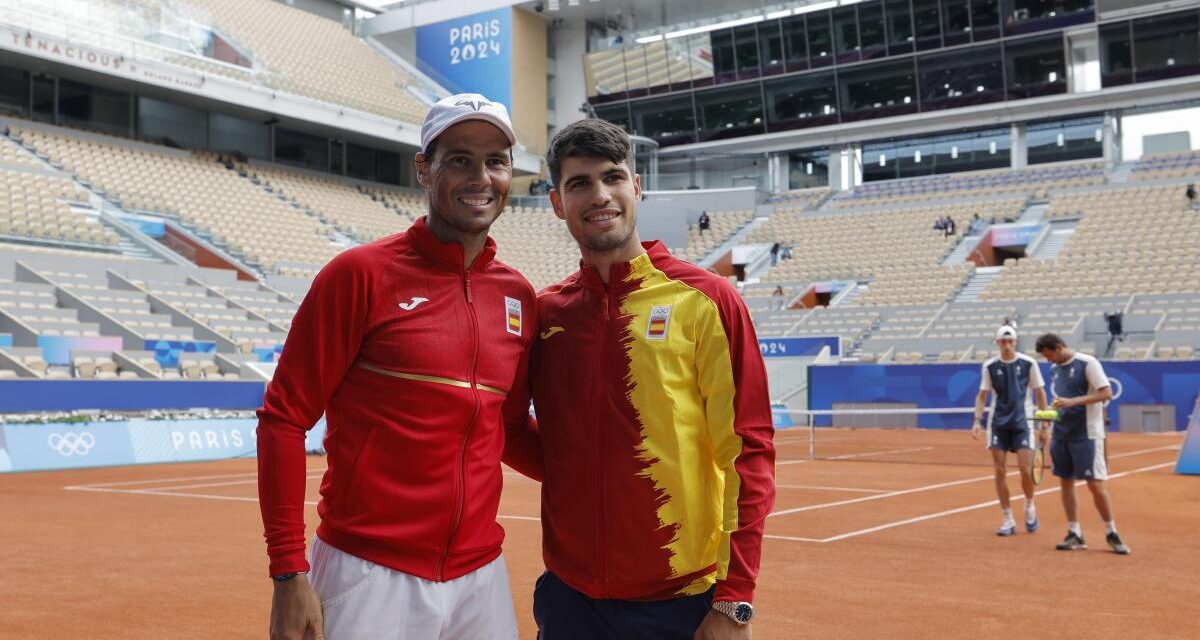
(733, 382)
(522, 444)
(322, 344)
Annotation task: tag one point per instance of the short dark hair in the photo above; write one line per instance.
(1049, 342)
(590, 138)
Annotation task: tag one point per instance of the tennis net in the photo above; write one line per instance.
(884, 434)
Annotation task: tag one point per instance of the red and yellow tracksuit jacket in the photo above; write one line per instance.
(419, 365)
(652, 405)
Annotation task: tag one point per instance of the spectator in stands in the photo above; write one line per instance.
(777, 298)
(704, 221)
(785, 251)
(940, 224)
(381, 347)
(686, 456)
(1116, 326)
(1191, 193)
(775, 254)
(951, 227)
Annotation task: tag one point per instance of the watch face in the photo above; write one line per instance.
(743, 612)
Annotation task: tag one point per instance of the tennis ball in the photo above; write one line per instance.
(1046, 414)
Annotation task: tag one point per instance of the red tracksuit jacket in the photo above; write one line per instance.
(418, 365)
(655, 421)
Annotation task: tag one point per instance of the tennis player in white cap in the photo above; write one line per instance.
(1014, 380)
(415, 348)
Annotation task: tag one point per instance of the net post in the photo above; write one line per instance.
(812, 437)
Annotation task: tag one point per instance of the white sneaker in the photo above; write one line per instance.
(1007, 528)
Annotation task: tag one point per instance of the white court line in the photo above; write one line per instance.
(878, 453)
(212, 496)
(979, 505)
(183, 479)
(823, 488)
(792, 538)
(779, 463)
(221, 484)
(932, 487)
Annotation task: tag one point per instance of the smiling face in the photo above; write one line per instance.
(466, 178)
(598, 200)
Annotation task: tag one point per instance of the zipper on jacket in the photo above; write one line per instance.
(602, 564)
(461, 498)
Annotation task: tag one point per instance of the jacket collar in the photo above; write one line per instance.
(619, 272)
(449, 256)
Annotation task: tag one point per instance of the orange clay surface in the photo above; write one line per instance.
(855, 549)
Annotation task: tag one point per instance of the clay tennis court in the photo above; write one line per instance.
(859, 547)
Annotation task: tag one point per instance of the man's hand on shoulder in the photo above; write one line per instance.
(296, 609)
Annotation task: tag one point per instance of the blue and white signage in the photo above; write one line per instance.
(472, 54)
(803, 347)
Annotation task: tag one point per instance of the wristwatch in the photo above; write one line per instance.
(284, 577)
(740, 612)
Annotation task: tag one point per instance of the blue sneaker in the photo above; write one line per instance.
(1007, 529)
(1031, 525)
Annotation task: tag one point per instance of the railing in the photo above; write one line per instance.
(14, 13)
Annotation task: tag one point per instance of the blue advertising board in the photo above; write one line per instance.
(801, 347)
(955, 385)
(166, 352)
(152, 227)
(472, 54)
(36, 447)
(6, 340)
(28, 396)
(1189, 456)
(56, 350)
(1014, 235)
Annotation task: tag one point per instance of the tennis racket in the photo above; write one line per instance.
(1038, 470)
(1039, 463)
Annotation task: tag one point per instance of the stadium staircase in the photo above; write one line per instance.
(734, 240)
(1060, 232)
(1034, 212)
(1120, 174)
(966, 245)
(131, 243)
(975, 285)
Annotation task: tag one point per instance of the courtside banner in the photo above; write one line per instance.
(34, 447)
(955, 385)
(1189, 456)
(41, 447)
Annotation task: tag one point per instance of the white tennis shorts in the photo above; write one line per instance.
(362, 600)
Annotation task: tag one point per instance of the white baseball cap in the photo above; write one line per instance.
(1006, 332)
(457, 108)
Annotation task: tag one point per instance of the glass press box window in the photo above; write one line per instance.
(729, 112)
(1060, 141)
(1035, 67)
(961, 78)
(878, 90)
(667, 120)
(1166, 46)
(802, 101)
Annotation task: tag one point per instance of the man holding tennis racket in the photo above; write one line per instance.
(1013, 380)
(1080, 389)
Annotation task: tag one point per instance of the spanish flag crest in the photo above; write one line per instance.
(512, 312)
(660, 321)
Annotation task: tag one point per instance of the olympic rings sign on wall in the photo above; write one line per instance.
(70, 444)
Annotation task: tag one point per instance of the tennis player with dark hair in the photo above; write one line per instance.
(415, 348)
(652, 404)
(1080, 389)
(1013, 380)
